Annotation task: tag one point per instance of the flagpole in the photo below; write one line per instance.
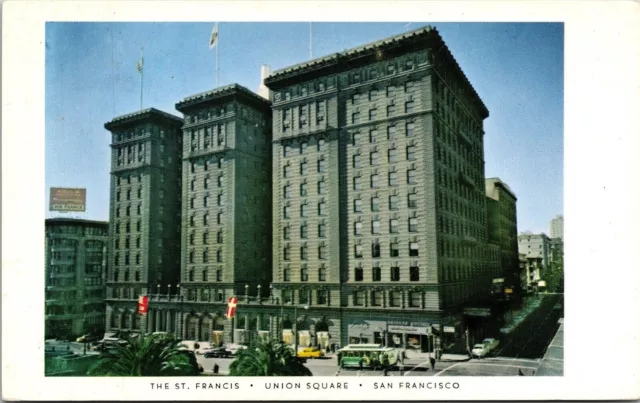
(217, 60)
(310, 42)
(141, 74)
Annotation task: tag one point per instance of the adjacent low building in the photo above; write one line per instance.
(75, 268)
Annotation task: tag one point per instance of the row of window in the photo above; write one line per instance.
(374, 134)
(304, 273)
(372, 94)
(394, 250)
(322, 252)
(409, 107)
(302, 115)
(321, 167)
(205, 200)
(205, 114)
(205, 164)
(75, 230)
(392, 179)
(128, 210)
(204, 275)
(412, 202)
(127, 260)
(392, 156)
(138, 194)
(205, 238)
(304, 230)
(289, 149)
(394, 298)
(127, 227)
(205, 256)
(205, 219)
(209, 138)
(394, 226)
(304, 296)
(304, 210)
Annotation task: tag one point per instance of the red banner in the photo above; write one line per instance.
(231, 307)
(143, 304)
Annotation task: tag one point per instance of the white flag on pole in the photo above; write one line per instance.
(214, 37)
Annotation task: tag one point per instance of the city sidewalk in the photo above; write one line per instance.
(446, 357)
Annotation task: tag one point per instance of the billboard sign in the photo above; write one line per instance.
(68, 199)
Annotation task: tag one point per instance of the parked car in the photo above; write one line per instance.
(219, 352)
(480, 350)
(235, 348)
(310, 352)
(491, 343)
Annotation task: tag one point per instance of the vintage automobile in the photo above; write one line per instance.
(310, 352)
(219, 352)
(480, 350)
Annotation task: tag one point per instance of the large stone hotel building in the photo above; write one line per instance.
(349, 207)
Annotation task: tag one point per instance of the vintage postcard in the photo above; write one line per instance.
(319, 200)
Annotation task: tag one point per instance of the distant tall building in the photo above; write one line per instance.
(263, 90)
(144, 235)
(226, 206)
(379, 196)
(556, 227)
(536, 248)
(503, 223)
(75, 267)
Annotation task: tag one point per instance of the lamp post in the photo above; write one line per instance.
(259, 295)
(295, 328)
(169, 291)
(246, 292)
(158, 293)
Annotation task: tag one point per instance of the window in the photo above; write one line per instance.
(219, 237)
(322, 297)
(355, 117)
(321, 230)
(321, 187)
(303, 231)
(191, 275)
(193, 184)
(205, 256)
(414, 249)
(303, 210)
(287, 191)
(356, 183)
(218, 275)
(192, 238)
(286, 172)
(220, 181)
(373, 136)
(356, 160)
(392, 155)
(411, 176)
(390, 110)
(358, 298)
(393, 179)
(286, 275)
(287, 151)
(413, 224)
(322, 275)
(321, 165)
(374, 158)
(138, 242)
(321, 208)
(320, 111)
(219, 256)
(395, 273)
(355, 98)
(304, 275)
(287, 253)
(375, 204)
(391, 133)
(220, 198)
(220, 216)
(303, 168)
(192, 221)
(375, 250)
(372, 114)
(414, 273)
(357, 230)
(375, 180)
(393, 226)
(357, 206)
(412, 200)
(118, 212)
(205, 201)
(393, 202)
(205, 219)
(409, 106)
(192, 257)
(128, 194)
(303, 118)
(376, 298)
(375, 227)
(321, 145)
(410, 129)
(303, 145)
(411, 153)
(394, 251)
(303, 252)
(322, 252)
(358, 251)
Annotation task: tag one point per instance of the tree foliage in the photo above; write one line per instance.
(150, 355)
(555, 276)
(267, 358)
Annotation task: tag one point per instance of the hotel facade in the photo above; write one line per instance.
(349, 207)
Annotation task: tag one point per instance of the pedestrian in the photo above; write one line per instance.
(433, 363)
(216, 368)
(338, 373)
(401, 369)
(361, 363)
(520, 372)
(385, 371)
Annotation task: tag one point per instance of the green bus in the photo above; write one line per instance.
(367, 356)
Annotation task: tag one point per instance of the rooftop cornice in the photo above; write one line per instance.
(429, 36)
(140, 115)
(75, 221)
(218, 93)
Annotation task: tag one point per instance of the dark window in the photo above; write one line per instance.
(359, 274)
(413, 249)
(376, 274)
(414, 273)
(375, 250)
(393, 250)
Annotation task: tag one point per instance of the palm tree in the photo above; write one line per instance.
(267, 358)
(150, 355)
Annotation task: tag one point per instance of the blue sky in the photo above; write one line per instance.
(90, 77)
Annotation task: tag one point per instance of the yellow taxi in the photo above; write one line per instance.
(310, 352)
